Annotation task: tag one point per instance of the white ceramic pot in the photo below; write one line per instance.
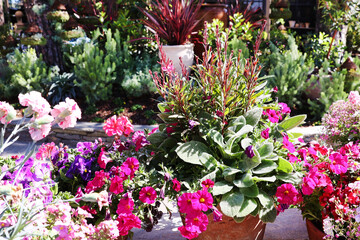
(174, 52)
(292, 23)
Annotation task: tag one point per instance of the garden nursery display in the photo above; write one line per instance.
(220, 150)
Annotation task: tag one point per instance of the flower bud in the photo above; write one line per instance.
(217, 215)
(6, 190)
(44, 120)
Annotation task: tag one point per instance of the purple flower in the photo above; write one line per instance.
(217, 215)
(249, 152)
(81, 166)
(85, 148)
(193, 123)
(41, 171)
(59, 158)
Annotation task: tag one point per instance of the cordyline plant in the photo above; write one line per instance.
(219, 128)
(172, 20)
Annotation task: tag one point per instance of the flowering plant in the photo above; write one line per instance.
(234, 139)
(328, 194)
(110, 181)
(341, 123)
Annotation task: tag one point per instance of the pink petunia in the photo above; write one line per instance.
(308, 186)
(147, 195)
(265, 133)
(188, 202)
(126, 205)
(118, 126)
(103, 199)
(130, 166)
(272, 115)
(287, 194)
(176, 185)
(66, 113)
(197, 219)
(287, 144)
(339, 163)
(205, 200)
(116, 185)
(103, 159)
(284, 108)
(208, 183)
(127, 222)
(293, 158)
(188, 232)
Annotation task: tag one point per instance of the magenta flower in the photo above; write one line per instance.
(217, 214)
(272, 115)
(103, 160)
(339, 163)
(205, 200)
(127, 222)
(208, 183)
(249, 152)
(130, 166)
(287, 144)
(147, 195)
(265, 133)
(140, 140)
(188, 232)
(219, 113)
(176, 185)
(308, 186)
(275, 89)
(293, 158)
(284, 108)
(189, 202)
(116, 185)
(198, 220)
(287, 194)
(126, 205)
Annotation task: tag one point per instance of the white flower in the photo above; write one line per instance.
(328, 226)
(357, 214)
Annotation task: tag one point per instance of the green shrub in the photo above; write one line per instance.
(62, 86)
(29, 72)
(288, 71)
(331, 86)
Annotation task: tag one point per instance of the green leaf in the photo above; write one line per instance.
(265, 200)
(292, 122)
(284, 165)
(265, 150)
(266, 166)
(294, 135)
(294, 178)
(264, 179)
(245, 180)
(272, 157)
(253, 116)
(196, 153)
(231, 203)
(230, 171)
(216, 137)
(268, 215)
(246, 142)
(156, 138)
(211, 175)
(221, 188)
(251, 191)
(248, 206)
(247, 163)
(237, 136)
(162, 107)
(237, 124)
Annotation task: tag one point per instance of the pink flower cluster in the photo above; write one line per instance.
(193, 205)
(275, 116)
(342, 120)
(118, 126)
(65, 113)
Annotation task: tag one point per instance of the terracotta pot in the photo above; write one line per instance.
(252, 228)
(313, 231)
(174, 52)
(208, 12)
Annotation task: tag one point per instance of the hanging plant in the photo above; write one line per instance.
(34, 40)
(75, 33)
(58, 16)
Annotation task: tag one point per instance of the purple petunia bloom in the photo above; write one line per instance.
(59, 158)
(193, 123)
(85, 148)
(249, 152)
(81, 166)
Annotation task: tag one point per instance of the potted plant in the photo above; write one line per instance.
(231, 144)
(174, 21)
(329, 190)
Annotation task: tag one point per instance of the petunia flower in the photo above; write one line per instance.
(147, 195)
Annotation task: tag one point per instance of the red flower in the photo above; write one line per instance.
(176, 185)
(208, 183)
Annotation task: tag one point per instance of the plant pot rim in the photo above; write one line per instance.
(177, 46)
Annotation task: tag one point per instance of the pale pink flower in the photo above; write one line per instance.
(118, 126)
(103, 199)
(66, 113)
(108, 229)
(40, 131)
(35, 102)
(7, 112)
(103, 159)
